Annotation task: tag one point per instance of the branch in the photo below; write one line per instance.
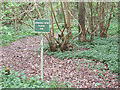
(45, 36)
(64, 42)
(27, 13)
(27, 24)
(55, 39)
(109, 20)
(24, 12)
(54, 16)
(79, 26)
(63, 30)
(76, 36)
(37, 10)
(75, 19)
(63, 14)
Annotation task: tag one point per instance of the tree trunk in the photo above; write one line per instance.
(81, 20)
(91, 21)
(68, 19)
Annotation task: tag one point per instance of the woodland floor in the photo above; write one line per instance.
(22, 55)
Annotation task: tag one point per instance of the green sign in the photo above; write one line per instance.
(41, 26)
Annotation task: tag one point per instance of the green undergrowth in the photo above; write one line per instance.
(103, 50)
(113, 29)
(19, 80)
(9, 34)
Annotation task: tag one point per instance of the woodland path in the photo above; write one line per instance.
(22, 55)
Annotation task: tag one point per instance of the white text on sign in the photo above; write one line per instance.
(41, 22)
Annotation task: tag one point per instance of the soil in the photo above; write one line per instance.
(22, 55)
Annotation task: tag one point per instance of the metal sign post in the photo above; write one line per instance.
(41, 56)
(41, 26)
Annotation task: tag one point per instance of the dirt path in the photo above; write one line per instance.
(22, 55)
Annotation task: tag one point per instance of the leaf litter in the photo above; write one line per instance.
(79, 73)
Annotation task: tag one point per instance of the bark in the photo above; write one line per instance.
(68, 19)
(81, 20)
(52, 40)
(54, 16)
(91, 21)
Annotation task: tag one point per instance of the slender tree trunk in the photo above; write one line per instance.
(81, 20)
(68, 19)
(91, 21)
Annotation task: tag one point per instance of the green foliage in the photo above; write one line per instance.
(101, 49)
(9, 34)
(57, 84)
(19, 80)
(8, 10)
(113, 29)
